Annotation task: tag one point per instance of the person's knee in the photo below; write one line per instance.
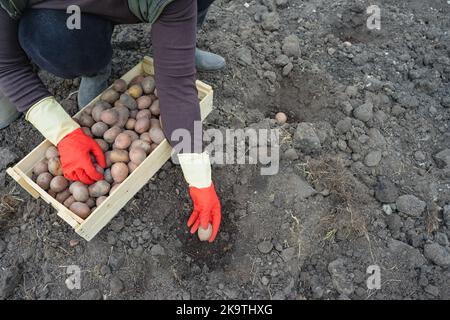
(45, 38)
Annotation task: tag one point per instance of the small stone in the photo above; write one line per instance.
(340, 276)
(419, 156)
(386, 191)
(291, 46)
(272, 76)
(265, 247)
(291, 154)
(344, 125)
(116, 285)
(442, 158)
(364, 112)
(270, 21)
(157, 250)
(331, 51)
(387, 209)
(403, 251)
(437, 254)
(287, 69)
(306, 138)
(394, 223)
(244, 56)
(373, 158)
(282, 60)
(264, 281)
(73, 242)
(351, 91)
(410, 205)
(347, 44)
(93, 294)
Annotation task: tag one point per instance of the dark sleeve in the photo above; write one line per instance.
(18, 81)
(174, 41)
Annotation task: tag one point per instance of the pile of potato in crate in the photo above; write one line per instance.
(125, 123)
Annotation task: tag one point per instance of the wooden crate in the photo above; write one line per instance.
(89, 227)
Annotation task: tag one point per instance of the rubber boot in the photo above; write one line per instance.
(8, 112)
(207, 61)
(91, 87)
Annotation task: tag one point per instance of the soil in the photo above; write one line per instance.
(377, 105)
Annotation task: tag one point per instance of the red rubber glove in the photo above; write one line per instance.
(206, 210)
(74, 152)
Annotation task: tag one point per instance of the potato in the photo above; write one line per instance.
(118, 155)
(99, 129)
(204, 234)
(137, 155)
(100, 200)
(80, 191)
(63, 195)
(110, 96)
(119, 171)
(100, 106)
(114, 187)
(85, 120)
(124, 114)
(133, 113)
(154, 108)
(98, 189)
(143, 114)
(68, 202)
(51, 152)
(54, 166)
(107, 176)
(123, 141)
(132, 166)
(110, 117)
(142, 125)
(111, 134)
(153, 146)
(128, 101)
(51, 193)
(43, 180)
(144, 102)
(155, 123)
(80, 209)
(103, 144)
(144, 145)
(91, 203)
(135, 91)
(148, 85)
(59, 183)
(108, 159)
(157, 135)
(87, 131)
(88, 109)
(40, 167)
(130, 124)
(146, 137)
(120, 85)
(136, 80)
(133, 135)
(281, 118)
(119, 103)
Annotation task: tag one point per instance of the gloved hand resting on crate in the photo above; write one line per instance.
(73, 144)
(207, 210)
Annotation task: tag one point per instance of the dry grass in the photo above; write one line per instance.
(8, 203)
(347, 214)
